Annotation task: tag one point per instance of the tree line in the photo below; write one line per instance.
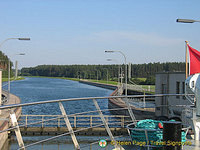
(101, 72)
(4, 60)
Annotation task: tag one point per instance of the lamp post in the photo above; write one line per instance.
(97, 74)
(125, 68)
(126, 92)
(186, 51)
(106, 74)
(9, 63)
(9, 75)
(119, 76)
(187, 20)
(13, 39)
(9, 60)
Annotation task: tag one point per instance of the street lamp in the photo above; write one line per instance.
(187, 20)
(186, 54)
(106, 74)
(126, 92)
(9, 75)
(97, 74)
(9, 60)
(119, 74)
(13, 39)
(125, 67)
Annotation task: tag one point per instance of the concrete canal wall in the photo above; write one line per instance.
(107, 86)
(4, 122)
(140, 113)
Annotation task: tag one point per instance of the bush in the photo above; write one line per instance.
(150, 81)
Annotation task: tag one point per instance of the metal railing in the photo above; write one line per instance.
(72, 119)
(139, 88)
(76, 120)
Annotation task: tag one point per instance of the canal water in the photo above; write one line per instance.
(39, 89)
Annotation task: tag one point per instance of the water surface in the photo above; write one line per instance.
(40, 89)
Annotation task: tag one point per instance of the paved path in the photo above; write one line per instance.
(4, 118)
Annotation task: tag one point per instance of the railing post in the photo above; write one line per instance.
(17, 129)
(68, 124)
(58, 122)
(107, 119)
(90, 121)
(144, 101)
(26, 121)
(122, 121)
(106, 126)
(42, 121)
(74, 121)
(130, 110)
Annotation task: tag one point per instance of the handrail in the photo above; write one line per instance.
(76, 120)
(90, 117)
(73, 115)
(86, 98)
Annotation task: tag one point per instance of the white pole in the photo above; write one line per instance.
(0, 88)
(8, 80)
(107, 76)
(125, 72)
(16, 69)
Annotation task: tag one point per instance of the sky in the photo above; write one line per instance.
(65, 32)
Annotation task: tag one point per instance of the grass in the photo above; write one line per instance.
(152, 87)
(74, 79)
(11, 79)
(103, 81)
(141, 79)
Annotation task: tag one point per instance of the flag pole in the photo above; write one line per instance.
(186, 59)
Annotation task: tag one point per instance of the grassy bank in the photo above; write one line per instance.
(103, 81)
(11, 79)
(74, 79)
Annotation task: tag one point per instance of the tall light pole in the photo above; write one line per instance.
(13, 39)
(125, 68)
(97, 74)
(118, 70)
(9, 60)
(9, 75)
(106, 74)
(187, 20)
(126, 92)
(186, 51)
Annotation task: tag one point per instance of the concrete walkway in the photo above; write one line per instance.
(4, 119)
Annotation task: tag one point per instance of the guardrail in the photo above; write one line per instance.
(75, 120)
(139, 88)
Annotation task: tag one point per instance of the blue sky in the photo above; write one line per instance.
(79, 31)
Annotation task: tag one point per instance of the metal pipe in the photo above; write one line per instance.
(86, 98)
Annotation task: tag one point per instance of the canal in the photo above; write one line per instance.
(39, 89)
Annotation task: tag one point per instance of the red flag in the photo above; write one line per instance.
(194, 60)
